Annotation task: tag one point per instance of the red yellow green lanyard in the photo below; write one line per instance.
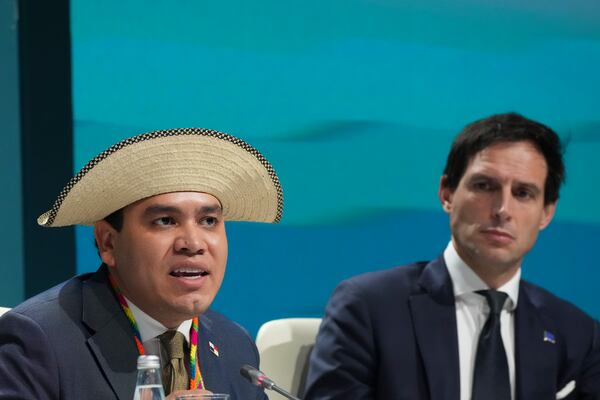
(196, 381)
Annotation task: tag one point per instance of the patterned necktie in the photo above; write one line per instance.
(490, 378)
(174, 374)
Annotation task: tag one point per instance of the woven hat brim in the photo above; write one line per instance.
(178, 160)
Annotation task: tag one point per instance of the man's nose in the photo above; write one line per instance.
(190, 240)
(503, 203)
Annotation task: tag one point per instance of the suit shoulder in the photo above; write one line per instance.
(216, 319)
(217, 322)
(553, 306)
(48, 306)
(400, 278)
(49, 297)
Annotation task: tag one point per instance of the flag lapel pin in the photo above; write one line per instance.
(213, 348)
(549, 337)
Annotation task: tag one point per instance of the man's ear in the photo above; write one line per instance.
(548, 214)
(445, 194)
(105, 234)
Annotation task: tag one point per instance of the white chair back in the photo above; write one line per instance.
(3, 310)
(284, 346)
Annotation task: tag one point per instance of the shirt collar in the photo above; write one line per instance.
(465, 281)
(150, 328)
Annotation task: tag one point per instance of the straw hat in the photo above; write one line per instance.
(174, 160)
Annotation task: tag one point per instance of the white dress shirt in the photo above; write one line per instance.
(151, 328)
(472, 311)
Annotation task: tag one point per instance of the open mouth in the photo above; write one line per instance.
(188, 273)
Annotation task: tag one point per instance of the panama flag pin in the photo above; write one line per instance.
(213, 348)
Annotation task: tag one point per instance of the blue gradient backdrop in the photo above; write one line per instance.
(355, 102)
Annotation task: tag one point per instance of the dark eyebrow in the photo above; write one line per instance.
(160, 209)
(530, 186)
(164, 209)
(480, 175)
(210, 209)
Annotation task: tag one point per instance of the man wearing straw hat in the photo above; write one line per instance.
(158, 203)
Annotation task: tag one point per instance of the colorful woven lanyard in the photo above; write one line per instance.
(196, 381)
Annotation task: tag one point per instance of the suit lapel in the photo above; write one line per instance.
(535, 358)
(211, 365)
(434, 318)
(111, 338)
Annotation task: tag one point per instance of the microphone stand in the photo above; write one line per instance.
(259, 379)
(282, 392)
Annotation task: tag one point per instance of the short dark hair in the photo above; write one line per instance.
(509, 127)
(115, 219)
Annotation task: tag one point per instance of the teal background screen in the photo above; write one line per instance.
(355, 103)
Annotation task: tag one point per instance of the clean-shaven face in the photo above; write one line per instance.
(497, 209)
(169, 257)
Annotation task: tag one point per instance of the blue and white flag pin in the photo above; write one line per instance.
(549, 337)
(213, 348)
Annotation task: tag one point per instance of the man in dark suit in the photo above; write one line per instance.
(158, 203)
(465, 326)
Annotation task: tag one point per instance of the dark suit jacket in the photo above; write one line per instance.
(391, 335)
(74, 342)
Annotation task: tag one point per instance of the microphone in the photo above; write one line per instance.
(259, 379)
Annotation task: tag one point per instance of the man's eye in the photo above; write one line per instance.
(483, 186)
(164, 221)
(210, 221)
(524, 194)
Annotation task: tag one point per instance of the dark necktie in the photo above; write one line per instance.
(174, 374)
(490, 378)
